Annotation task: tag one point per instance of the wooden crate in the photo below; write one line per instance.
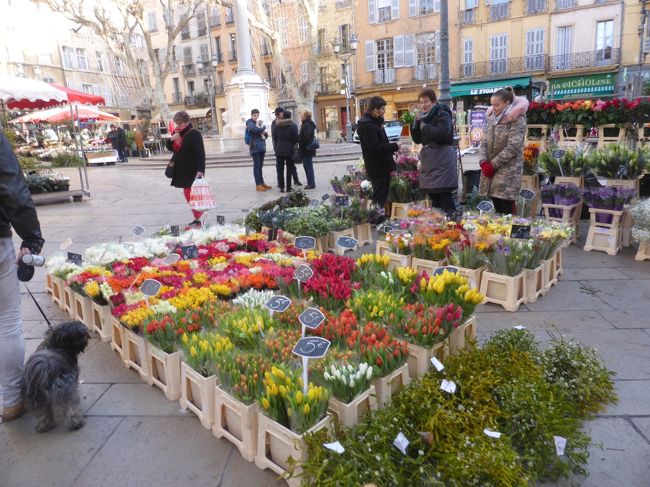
(559, 262)
(534, 283)
(237, 422)
(573, 136)
(428, 266)
(68, 301)
(540, 140)
(135, 353)
(352, 413)
(49, 284)
(550, 273)
(363, 234)
(509, 292)
(461, 336)
(610, 133)
(400, 210)
(117, 336)
(197, 394)
(58, 286)
(275, 444)
(398, 260)
(390, 385)
(473, 275)
(101, 320)
(332, 237)
(82, 309)
(579, 181)
(569, 215)
(419, 360)
(604, 237)
(164, 371)
(644, 251)
(381, 247)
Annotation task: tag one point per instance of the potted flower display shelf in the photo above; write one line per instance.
(644, 251)
(197, 394)
(534, 283)
(424, 265)
(100, 320)
(569, 215)
(507, 291)
(134, 352)
(58, 286)
(363, 234)
(82, 309)
(540, 137)
(275, 444)
(237, 422)
(473, 275)
(419, 360)
(610, 133)
(399, 210)
(352, 413)
(389, 385)
(117, 336)
(332, 237)
(164, 371)
(572, 135)
(381, 247)
(605, 237)
(461, 336)
(530, 181)
(68, 300)
(398, 260)
(626, 221)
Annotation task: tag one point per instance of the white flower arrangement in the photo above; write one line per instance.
(347, 381)
(253, 298)
(58, 266)
(164, 308)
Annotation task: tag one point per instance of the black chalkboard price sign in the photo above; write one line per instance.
(75, 258)
(221, 220)
(189, 251)
(342, 200)
(150, 287)
(175, 230)
(527, 194)
(485, 206)
(440, 270)
(305, 242)
(278, 303)
(303, 273)
(311, 318)
(559, 153)
(520, 231)
(311, 347)
(347, 242)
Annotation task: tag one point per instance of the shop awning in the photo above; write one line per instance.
(487, 87)
(587, 86)
(198, 112)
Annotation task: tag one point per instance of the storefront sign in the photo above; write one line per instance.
(477, 126)
(583, 86)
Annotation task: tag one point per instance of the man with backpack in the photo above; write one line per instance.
(255, 137)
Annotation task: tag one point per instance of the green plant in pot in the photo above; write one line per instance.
(618, 161)
(574, 163)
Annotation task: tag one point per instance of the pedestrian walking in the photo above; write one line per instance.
(306, 142)
(188, 157)
(501, 153)
(434, 129)
(117, 138)
(285, 136)
(377, 151)
(256, 138)
(17, 211)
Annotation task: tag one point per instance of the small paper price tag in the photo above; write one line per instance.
(175, 230)
(335, 447)
(519, 327)
(437, 364)
(448, 386)
(138, 230)
(560, 445)
(492, 433)
(171, 259)
(400, 442)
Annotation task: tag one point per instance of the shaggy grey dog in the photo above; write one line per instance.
(52, 375)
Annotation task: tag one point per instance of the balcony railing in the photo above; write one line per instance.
(498, 67)
(500, 11)
(469, 16)
(562, 4)
(173, 67)
(197, 99)
(578, 60)
(189, 69)
(423, 72)
(343, 3)
(535, 6)
(383, 76)
(177, 98)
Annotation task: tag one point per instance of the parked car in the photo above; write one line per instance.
(393, 129)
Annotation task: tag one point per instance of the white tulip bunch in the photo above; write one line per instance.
(348, 381)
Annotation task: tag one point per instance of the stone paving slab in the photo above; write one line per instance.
(570, 295)
(134, 400)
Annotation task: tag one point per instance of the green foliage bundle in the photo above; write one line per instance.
(295, 199)
(607, 161)
(574, 163)
(67, 159)
(510, 386)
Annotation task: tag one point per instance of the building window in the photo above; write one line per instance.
(499, 9)
(215, 17)
(205, 56)
(119, 66)
(604, 41)
(303, 30)
(562, 4)
(190, 88)
(88, 89)
(281, 27)
(321, 41)
(217, 50)
(69, 60)
(385, 59)
(185, 32)
(220, 83)
(344, 37)
(384, 10)
(304, 72)
(230, 18)
(48, 79)
(534, 49)
(151, 22)
(564, 47)
(322, 79)
(45, 58)
(498, 53)
(426, 7)
(99, 57)
(468, 57)
(233, 47)
(187, 55)
(268, 67)
(201, 26)
(81, 59)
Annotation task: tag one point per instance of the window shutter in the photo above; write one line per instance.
(372, 11)
(371, 60)
(413, 8)
(409, 51)
(398, 51)
(394, 12)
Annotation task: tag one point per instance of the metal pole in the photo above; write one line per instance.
(348, 125)
(443, 96)
(638, 83)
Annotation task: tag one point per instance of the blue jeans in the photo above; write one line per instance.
(308, 163)
(12, 341)
(258, 162)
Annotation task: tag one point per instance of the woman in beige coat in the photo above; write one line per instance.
(501, 154)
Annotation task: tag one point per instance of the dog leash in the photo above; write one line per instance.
(49, 325)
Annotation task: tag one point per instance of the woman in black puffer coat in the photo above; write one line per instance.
(285, 136)
(434, 129)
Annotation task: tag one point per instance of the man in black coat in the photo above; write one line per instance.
(285, 136)
(280, 115)
(17, 211)
(377, 151)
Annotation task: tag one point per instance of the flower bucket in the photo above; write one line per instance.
(390, 385)
(49, 284)
(507, 291)
(197, 394)
(605, 237)
(101, 320)
(473, 275)
(424, 265)
(352, 413)
(164, 371)
(58, 286)
(400, 210)
(237, 422)
(550, 273)
(398, 260)
(461, 336)
(275, 444)
(419, 361)
(363, 234)
(117, 334)
(534, 283)
(135, 353)
(559, 267)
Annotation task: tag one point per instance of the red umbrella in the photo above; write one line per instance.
(80, 96)
(61, 114)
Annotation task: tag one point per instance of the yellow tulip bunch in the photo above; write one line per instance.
(375, 305)
(450, 287)
(192, 298)
(369, 266)
(135, 318)
(91, 288)
(406, 275)
(244, 326)
(199, 278)
(202, 349)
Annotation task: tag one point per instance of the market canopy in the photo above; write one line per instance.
(23, 93)
(80, 96)
(62, 114)
(487, 87)
(587, 86)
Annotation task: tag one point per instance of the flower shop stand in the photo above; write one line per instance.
(237, 422)
(332, 237)
(68, 300)
(399, 210)
(164, 371)
(419, 360)
(572, 136)
(390, 385)
(275, 444)
(461, 336)
(117, 336)
(605, 237)
(363, 234)
(100, 320)
(473, 275)
(82, 309)
(422, 265)
(626, 221)
(507, 291)
(197, 394)
(610, 133)
(381, 247)
(644, 251)
(539, 137)
(352, 413)
(570, 215)
(534, 283)
(134, 352)
(398, 260)
(58, 286)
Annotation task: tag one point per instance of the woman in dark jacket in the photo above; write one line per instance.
(188, 158)
(307, 136)
(434, 129)
(285, 136)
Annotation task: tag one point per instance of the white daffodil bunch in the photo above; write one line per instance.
(253, 299)
(348, 381)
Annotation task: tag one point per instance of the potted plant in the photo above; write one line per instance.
(163, 358)
(352, 391)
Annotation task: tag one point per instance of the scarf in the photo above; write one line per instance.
(498, 118)
(178, 143)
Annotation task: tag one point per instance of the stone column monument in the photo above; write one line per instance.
(246, 90)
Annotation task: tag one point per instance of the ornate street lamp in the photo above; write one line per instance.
(345, 56)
